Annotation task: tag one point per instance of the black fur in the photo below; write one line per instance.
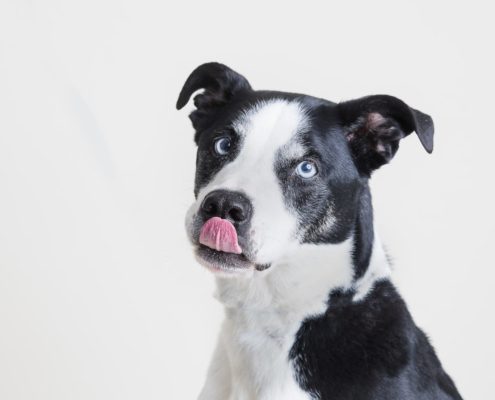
(368, 350)
(357, 350)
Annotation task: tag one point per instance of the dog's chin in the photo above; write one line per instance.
(219, 262)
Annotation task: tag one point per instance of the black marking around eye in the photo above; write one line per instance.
(303, 197)
(208, 162)
(326, 205)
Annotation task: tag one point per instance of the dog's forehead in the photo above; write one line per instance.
(270, 125)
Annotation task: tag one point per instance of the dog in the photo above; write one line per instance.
(283, 217)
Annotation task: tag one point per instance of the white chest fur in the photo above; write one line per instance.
(257, 345)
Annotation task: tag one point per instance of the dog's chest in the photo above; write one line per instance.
(258, 344)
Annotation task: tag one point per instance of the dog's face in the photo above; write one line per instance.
(277, 170)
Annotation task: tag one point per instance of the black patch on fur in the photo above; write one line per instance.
(368, 350)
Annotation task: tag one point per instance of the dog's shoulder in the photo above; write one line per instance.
(354, 338)
(369, 347)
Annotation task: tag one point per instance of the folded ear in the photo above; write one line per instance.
(374, 125)
(220, 85)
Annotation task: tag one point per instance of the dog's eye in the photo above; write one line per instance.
(222, 146)
(306, 169)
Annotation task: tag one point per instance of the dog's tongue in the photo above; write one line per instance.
(220, 234)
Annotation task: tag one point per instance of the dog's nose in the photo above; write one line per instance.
(226, 204)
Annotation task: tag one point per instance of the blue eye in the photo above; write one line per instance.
(306, 169)
(222, 146)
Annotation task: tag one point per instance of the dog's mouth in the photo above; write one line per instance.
(219, 249)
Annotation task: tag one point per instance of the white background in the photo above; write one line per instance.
(99, 295)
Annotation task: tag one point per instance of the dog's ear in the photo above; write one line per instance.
(220, 83)
(374, 125)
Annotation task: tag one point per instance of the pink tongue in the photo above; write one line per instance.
(220, 234)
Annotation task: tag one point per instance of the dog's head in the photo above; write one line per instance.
(279, 170)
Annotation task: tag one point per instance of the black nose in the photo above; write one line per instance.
(225, 204)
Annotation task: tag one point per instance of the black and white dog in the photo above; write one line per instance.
(283, 217)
